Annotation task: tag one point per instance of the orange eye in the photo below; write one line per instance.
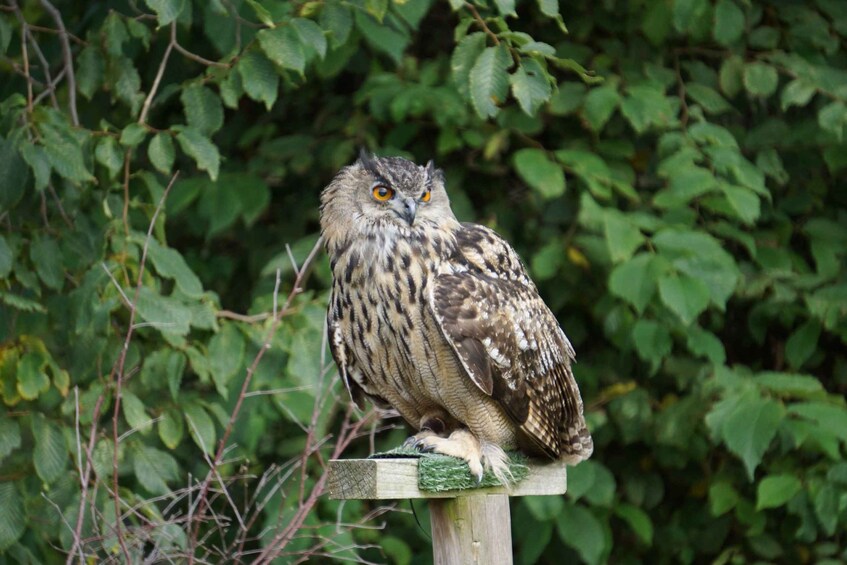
(382, 193)
(426, 196)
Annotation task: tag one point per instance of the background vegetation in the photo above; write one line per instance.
(681, 204)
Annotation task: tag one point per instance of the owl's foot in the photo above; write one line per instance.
(462, 444)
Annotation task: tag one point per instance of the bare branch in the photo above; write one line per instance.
(142, 119)
(67, 57)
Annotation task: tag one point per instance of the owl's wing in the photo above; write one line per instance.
(509, 342)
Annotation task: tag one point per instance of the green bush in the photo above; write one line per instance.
(672, 171)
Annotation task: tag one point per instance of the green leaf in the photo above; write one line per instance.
(760, 79)
(798, 92)
(377, 9)
(706, 344)
(201, 149)
(226, 354)
(743, 201)
(282, 46)
(13, 521)
(90, 70)
(14, 174)
(583, 532)
(638, 521)
(337, 19)
(166, 10)
(731, 75)
(203, 109)
(685, 296)
(775, 490)
(133, 134)
(830, 417)
(50, 455)
(722, 498)
(258, 77)
(530, 86)
(709, 98)
(171, 428)
(36, 158)
(623, 237)
(729, 22)
(800, 386)
(6, 258)
(109, 155)
(135, 414)
(161, 152)
(646, 106)
(747, 423)
(5, 38)
(311, 36)
(154, 469)
(686, 14)
(47, 257)
(506, 7)
(803, 343)
(635, 280)
(170, 264)
(462, 61)
(10, 437)
(489, 81)
(167, 315)
(389, 39)
(600, 104)
(262, 13)
(652, 341)
(687, 182)
(544, 508)
(200, 426)
(833, 118)
(540, 172)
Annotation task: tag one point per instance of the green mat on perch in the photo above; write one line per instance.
(437, 473)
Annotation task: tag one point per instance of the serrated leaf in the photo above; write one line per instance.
(337, 19)
(505, 7)
(530, 86)
(646, 106)
(262, 13)
(760, 79)
(391, 40)
(709, 98)
(203, 109)
(685, 296)
(133, 134)
(50, 455)
(743, 201)
(638, 520)
(36, 158)
(135, 414)
(166, 10)
(635, 280)
(259, 78)
(729, 22)
(64, 154)
(166, 314)
(47, 258)
(540, 172)
(489, 81)
(169, 263)
(10, 437)
(802, 343)
(311, 36)
(161, 152)
(796, 93)
(462, 61)
(226, 355)
(201, 149)
(582, 531)
(282, 46)
(600, 103)
(775, 490)
(90, 69)
(171, 428)
(831, 417)
(200, 426)
(622, 236)
(109, 155)
(154, 469)
(13, 518)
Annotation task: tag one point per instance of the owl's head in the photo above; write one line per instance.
(384, 194)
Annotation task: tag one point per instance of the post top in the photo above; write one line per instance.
(381, 479)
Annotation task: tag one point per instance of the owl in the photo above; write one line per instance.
(439, 320)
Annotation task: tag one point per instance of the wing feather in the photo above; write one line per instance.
(509, 342)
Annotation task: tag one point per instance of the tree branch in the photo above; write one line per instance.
(67, 57)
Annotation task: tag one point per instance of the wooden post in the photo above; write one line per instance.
(468, 526)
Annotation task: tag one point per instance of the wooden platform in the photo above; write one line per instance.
(380, 479)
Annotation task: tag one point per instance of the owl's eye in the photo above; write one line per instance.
(382, 193)
(426, 196)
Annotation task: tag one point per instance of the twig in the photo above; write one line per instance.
(156, 81)
(202, 502)
(118, 371)
(66, 56)
(481, 23)
(125, 212)
(25, 54)
(680, 92)
(198, 58)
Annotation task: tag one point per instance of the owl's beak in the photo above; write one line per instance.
(407, 209)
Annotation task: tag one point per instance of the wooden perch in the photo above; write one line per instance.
(468, 526)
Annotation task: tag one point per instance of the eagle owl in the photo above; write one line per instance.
(439, 320)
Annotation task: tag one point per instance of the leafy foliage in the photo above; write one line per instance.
(678, 205)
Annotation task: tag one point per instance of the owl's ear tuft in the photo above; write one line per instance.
(432, 173)
(367, 160)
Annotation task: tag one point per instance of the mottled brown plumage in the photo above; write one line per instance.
(439, 320)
